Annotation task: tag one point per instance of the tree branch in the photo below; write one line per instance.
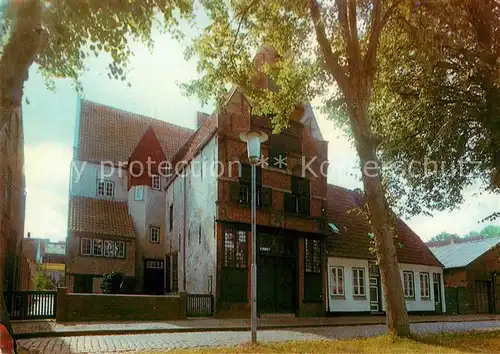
(331, 58)
(378, 22)
(353, 25)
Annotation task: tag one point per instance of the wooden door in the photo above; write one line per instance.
(483, 296)
(436, 277)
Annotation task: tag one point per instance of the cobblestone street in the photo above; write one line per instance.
(148, 342)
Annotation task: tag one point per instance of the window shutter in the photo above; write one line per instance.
(295, 185)
(304, 205)
(267, 197)
(246, 173)
(258, 176)
(234, 191)
(305, 187)
(289, 205)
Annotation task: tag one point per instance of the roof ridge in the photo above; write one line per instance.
(94, 198)
(128, 113)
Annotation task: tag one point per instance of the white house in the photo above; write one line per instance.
(353, 281)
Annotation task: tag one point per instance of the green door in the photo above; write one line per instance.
(276, 286)
(285, 285)
(266, 285)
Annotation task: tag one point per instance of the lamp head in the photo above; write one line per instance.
(254, 139)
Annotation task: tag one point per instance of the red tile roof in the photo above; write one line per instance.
(110, 134)
(100, 216)
(353, 241)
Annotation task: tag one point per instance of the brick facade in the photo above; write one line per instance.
(465, 285)
(270, 218)
(12, 202)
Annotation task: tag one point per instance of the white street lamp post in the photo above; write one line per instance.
(254, 139)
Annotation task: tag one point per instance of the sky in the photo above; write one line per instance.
(49, 125)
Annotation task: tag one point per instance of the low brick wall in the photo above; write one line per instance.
(104, 307)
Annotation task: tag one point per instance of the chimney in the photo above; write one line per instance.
(200, 119)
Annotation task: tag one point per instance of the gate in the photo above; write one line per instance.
(25, 305)
(200, 305)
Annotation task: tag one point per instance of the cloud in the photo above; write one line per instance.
(47, 182)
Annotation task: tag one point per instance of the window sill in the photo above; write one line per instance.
(277, 169)
(410, 298)
(359, 297)
(425, 298)
(337, 297)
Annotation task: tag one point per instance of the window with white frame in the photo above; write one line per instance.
(120, 249)
(337, 280)
(109, 248)
(154, 264)
(97, 249)
(358, 281)
(425, 291)
(156, 182)
(154, 234)
(408, 284)
(139, 193)
(100, 248)
(86, 246)
(105, 188)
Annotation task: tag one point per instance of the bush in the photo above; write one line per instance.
(112, 283)
(43, 282)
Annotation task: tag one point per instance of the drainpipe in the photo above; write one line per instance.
(184, 233)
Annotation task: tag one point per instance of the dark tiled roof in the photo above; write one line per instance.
(100, 216)
(110, 134)
(353, 241)
(462, 252)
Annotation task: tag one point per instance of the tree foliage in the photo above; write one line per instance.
(43, 282)
(112, 283)
(60, 35)
(325, 48)
(487, 231)
(438, 110)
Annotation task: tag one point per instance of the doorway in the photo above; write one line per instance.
(276, 286)
(375, 288)
(483, 296)
(438, 307)
(154, 277)
(374, 294)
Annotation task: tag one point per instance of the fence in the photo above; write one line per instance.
(25, 305)
(200, 305)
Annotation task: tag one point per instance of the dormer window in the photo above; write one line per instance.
(156, 182)
(105, 189)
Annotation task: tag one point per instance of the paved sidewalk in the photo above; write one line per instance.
(49, 328)
(163, 342)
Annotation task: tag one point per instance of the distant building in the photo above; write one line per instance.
(471, 274)
(41, 256)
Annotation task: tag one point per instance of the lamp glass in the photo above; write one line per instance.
(254, 139)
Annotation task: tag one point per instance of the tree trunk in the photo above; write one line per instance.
(18, 55)
(379, 213)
